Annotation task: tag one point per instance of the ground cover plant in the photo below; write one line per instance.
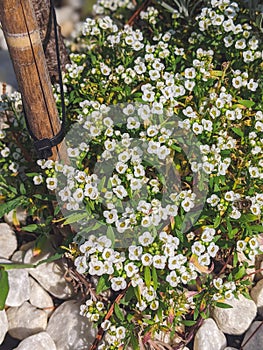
(163, 191)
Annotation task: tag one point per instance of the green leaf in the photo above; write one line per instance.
(256, 228)
(147, 276)
(223, 305)
(246, 103)
(238, 131)
(74, 218)
(134, 342)
(188, 323)
(233, 232)
(4, 287)
(155, 278)
(241, 273)
(30, 228)
(160, 314)
(22, 188)
(52, 258)
(118, 312)
(248, 218)
(102, 284)
(10, 205)
(16, 266)
(138, 294)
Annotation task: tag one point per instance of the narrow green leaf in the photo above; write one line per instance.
(138, 294)
(10, 205)
(74, 218)
(223, 305)
(155, 278)
(188, 323)
(16, 266)
(147, 276)
(118, 312)
(134, 342)
(4, 287)
(52, 258)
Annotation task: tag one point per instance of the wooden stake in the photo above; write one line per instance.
(23, 39)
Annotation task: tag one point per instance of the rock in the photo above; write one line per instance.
(70, 330)
(243, 310)
(49, 275)
(209, 337)
(257, 295)
(3, 325)
(230, 348)
(40, 298)
(8, 242)
(253, 339)
(20, 215)
(19, 286)
(25, 321)
(39, 341)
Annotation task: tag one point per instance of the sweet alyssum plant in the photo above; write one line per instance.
(164, 186)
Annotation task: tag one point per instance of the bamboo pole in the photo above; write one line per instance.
(24, 43)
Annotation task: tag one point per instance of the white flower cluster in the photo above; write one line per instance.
(221, 19)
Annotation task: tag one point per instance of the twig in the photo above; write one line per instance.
(101, 331)
(138, 11)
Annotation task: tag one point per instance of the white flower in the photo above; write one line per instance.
(118, 283)
(146, 259)
(131, 269)
(159, 261)
(253, 243)
(154, 305)
(133, 123)
(187, 204)
(218, 283)
(81, 264)
(213, 200)
(149, 294)
(87, 247)
(254, 172)
(190, 73)
(241, 245)
(52, 183)
(154, 74)
(73, 152)
(111, 216)
(5, 152)
(229, 196)
(208, 234)
(212, 249)
(204, 259)
(38, 179)
(96, 267)
(120, 191)
(146, 239)
(108, 254)
(105, 70)
(78, 195)
(153, 147)
(198, 248)
(197, 128)
(163, 152)
(135, 252)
